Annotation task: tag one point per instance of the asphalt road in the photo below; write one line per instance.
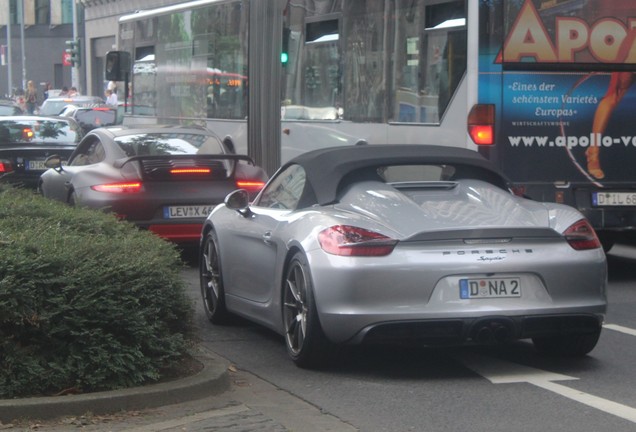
(478, 389)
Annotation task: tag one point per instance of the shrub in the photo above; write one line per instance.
(87, 302)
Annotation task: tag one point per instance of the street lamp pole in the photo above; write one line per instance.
(75, 69)
(21, 15)
(10, 61)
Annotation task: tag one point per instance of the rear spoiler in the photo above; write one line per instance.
(119, 163)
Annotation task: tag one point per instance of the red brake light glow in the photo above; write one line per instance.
(581, 236)
(129, 187)
(348, 240)
(5, 167)
(250, 185)
(177, 171)
(27, 134)
(481, 124)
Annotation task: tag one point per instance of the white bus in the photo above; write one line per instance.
(541, 87)
(276, 78)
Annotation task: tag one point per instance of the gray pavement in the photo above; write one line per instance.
(218, 398)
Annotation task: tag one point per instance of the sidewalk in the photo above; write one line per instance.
(218, 398)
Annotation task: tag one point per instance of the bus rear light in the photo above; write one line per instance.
(581, 236)
(250, 185)
(481, 124)
(128, 187)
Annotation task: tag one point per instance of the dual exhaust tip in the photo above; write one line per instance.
(492, 332)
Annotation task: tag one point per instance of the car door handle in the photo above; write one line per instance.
(267, 237)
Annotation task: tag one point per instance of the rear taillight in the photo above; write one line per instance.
(353, 241)
(481, 124)
(250, 185)
(581, 236)
(127, 187)
(5, 167)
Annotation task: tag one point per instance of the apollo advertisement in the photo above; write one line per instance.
(562, 74)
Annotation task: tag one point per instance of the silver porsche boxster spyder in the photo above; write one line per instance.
(402, 243)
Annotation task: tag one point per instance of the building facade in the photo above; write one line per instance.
(33, 34)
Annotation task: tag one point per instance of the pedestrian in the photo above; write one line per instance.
(64, 91)
(73, 92)
(111, 97)
(31, 97)
(46, 90)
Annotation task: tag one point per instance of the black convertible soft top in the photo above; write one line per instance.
(329, 170)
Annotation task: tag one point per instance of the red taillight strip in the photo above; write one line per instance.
(581, 236)
(190, 171)
(129, 187)
(348, 240)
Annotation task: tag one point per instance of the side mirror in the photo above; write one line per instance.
(239, 200)
(117, 66)
(53, 161)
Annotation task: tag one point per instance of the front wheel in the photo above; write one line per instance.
(306, 343)
(571, 345)
(211, 281)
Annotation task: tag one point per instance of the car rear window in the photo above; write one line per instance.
(156, 144)
(9, 110)
(96, 117)
(39, 132)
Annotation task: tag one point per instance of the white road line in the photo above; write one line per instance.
(621, 329)
(503, 372)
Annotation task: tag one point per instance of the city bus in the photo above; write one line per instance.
(520, 81)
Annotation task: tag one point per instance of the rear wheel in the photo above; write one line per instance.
(571, 345)
(306, 343)
(211, 280)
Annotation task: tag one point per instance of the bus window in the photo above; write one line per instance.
(311, 67)
(430, 60)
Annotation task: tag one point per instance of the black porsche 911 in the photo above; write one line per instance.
(166, 179)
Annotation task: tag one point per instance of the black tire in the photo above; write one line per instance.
(306, 343)
(212, 292)
(571, 345)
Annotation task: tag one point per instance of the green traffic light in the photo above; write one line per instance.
(284, 57)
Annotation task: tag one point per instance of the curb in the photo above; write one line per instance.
(213, 379)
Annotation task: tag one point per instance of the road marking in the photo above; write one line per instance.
(621, 329)
(503, 372)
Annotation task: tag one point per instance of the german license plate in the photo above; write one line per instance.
(187, 211)
(35, 165)
(489, 288)
(614, 199)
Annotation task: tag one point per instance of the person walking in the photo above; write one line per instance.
(31, 97)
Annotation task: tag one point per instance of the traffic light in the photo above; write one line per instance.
(74, 48)
(284, 55)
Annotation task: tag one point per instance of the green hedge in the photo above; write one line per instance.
(87, 302)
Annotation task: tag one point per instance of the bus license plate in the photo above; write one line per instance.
(489, 288)
(614, 199)
(187, 211)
